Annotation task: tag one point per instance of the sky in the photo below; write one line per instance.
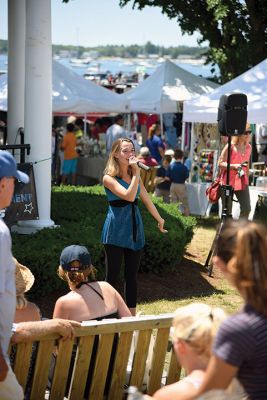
(91, 23)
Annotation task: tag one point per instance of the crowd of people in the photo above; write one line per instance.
(217, 352)
(169, 169)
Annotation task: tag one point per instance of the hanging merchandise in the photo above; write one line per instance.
(205, 143)
(207, 164)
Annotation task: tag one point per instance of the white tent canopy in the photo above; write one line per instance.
(161, 91)
(253, 83)
(73, 93)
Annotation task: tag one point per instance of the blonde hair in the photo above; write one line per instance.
(197, 325)
(113, 167)
(21, 301)
(242, 245)
(75, 278)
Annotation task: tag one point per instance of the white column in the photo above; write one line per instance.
(38, 105)
(16, 68)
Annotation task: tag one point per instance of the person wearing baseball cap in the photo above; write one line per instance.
(8, 167)
(88, 298)
(9, 387)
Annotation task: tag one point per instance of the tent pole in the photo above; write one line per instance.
(192, 137)
(183, 136)
(161, 123)
(84, 124)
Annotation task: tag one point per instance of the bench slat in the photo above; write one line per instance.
(101, 366)
(158, 360)
(41, 369)
(81, 367)
(174, 371)
(61, 370)
(139, 363)
(120, 368)
(22, 362)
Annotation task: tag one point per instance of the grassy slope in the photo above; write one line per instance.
(220, 293)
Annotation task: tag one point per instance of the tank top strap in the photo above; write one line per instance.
(99, 294)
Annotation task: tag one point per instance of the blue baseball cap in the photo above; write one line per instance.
(8, 167)
(75, 253)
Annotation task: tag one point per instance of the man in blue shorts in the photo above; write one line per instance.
(69, 144)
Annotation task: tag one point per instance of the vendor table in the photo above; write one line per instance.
(91, 167)
(198, 203)
(254, 193)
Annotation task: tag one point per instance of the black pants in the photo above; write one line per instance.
(114, 257)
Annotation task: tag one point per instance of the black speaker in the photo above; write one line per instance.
(232, 114)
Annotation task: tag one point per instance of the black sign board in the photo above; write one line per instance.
(24, 203)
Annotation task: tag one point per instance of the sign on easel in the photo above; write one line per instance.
(24, 203)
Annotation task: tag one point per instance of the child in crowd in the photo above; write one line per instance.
(69, 144)
(178, 173)
(194, 328)
(162, 183)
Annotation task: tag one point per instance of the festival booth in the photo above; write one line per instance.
(164, 92)
(202, 113)
(72, 94)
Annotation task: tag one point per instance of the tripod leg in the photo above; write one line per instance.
(207, 263)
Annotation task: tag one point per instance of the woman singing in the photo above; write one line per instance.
(123, 232)
(239, 170)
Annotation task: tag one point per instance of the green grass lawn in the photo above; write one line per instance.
(224, 295)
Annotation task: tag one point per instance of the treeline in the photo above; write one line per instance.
(125, 51)
(134, 50)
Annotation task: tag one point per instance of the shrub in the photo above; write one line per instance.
(79, 213)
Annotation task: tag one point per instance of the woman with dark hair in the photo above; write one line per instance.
(123, 232)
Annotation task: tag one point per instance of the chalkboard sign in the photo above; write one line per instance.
(24, 203)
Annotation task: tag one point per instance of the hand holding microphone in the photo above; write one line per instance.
(134, 160)
(143, 166)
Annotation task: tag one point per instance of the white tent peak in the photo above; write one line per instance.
(253, 83)
(72, 93)
(161, 91)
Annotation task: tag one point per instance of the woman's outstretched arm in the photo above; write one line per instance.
(151, 207)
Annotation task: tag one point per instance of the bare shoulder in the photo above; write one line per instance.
(106, 286)
(107, 179)
(66, 298)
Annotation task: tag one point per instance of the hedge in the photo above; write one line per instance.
(79, 213)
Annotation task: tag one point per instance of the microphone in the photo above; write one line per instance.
(143, 166)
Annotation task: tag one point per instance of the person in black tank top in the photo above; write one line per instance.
(88, 298)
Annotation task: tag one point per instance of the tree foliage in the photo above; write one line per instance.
(235, 29)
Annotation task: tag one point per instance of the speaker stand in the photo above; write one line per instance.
(227, 192)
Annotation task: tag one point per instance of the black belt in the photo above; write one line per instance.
(124, 203)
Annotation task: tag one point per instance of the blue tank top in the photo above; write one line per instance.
(118, 226)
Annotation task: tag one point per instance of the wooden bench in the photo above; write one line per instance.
(149, 332)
